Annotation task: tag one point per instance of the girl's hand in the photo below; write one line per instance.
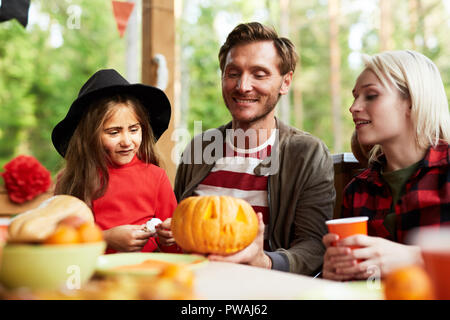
(127, 238)
(164, 233)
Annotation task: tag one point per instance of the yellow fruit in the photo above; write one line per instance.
(90, 232)
(408, 283)
(64, 234)
(179, 274)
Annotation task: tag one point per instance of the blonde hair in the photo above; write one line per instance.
(416, 77)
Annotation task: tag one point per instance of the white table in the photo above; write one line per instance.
(224, 281)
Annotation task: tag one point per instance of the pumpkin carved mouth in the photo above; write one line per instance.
(214, 224)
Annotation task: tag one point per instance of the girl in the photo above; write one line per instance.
(108, 141)
(401, 108)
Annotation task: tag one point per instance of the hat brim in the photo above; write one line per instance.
(154, 100)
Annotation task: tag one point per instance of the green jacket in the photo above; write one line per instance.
(301, 193)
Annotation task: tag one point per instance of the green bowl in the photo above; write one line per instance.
(49, 266)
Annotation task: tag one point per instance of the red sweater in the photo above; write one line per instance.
(136, 193)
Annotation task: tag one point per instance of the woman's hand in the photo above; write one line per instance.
(253, 254)
(380, 256)
(336, 258)
(377, 255)
(164, 233)
(127, 238)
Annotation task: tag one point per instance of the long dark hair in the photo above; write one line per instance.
(85, 174)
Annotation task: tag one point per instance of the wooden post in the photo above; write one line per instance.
(413, 21)
(132, 38)
(158, 37)
(297, 81)
(335, 75)
(385, 25)
(284, 110)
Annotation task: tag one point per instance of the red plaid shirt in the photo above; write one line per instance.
(425, 202)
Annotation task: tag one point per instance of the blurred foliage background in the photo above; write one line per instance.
(43, 66)
(42, 69)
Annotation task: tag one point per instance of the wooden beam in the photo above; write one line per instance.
(386, 42)
(284, 109)
(158, 37)
(335, 73)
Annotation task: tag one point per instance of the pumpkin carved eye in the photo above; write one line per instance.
(211, 211)
(240, 216)
(214, 224)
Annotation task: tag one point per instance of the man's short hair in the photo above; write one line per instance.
(254, 32)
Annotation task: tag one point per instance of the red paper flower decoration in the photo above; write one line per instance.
(25, 178)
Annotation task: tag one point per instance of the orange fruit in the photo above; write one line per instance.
(90, 232)
(408, 283)
(179, 274)
(64, 234)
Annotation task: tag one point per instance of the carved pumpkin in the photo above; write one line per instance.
(213, 224)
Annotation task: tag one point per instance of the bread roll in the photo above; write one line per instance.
(37, 224)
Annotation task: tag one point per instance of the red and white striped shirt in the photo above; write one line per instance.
(233, 175)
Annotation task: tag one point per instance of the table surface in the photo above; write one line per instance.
(223, 281)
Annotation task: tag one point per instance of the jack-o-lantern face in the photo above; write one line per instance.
(213, 224)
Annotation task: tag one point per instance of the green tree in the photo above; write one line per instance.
(16, 103)
(200, 46)
(39, 81)
(200, 40)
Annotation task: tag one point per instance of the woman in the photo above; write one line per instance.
(401, 108)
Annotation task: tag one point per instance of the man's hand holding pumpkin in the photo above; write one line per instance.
(253, 254)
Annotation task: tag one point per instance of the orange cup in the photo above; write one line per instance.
(346, 227)
(435, 245)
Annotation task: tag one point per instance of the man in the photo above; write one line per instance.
(285, 174)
